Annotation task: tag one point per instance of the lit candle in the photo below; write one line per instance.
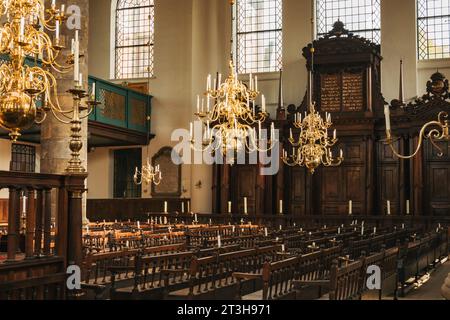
(407, 207)
(389, 208)
(350, 207)
(281, 206)
(229, 206)
(245, 205)
(165, 206)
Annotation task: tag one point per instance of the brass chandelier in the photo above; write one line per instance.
(148, 174)
(313, 146)
(29, 92)
(231, 123)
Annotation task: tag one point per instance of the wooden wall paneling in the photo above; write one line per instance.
(417, 180)
(437, 179)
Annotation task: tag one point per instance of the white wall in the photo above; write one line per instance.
(192, 40)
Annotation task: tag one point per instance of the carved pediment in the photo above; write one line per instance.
(436, 98)
(341, 41)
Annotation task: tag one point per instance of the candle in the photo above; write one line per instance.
(165, 206)
(22, 27)
(387, 115)
(127, 244)
(138, 225)
(24, 205)
(256, 83)
(229, 206)
(281, 206)
(87, 228)
(80, 80)
(63, 9)
(245, 205)
(265, 232)
(263, 98)
(280, 227)
(407, 207)
(182, 207)
(389, 208)
(148, 221)
(219, 243)
(165, 220)
(283, 248)
(210, 221)
(195, 218)
(403, 226)
(76, 57)
(374, 230)
(362, 230)
(233, 229)
(339, 230)
(350, 207)
(93, 92)
(208, 83)
(189, 206)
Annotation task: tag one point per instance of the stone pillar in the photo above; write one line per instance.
(55, 135)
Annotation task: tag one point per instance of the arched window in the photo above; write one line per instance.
(258, 34)
(433, 29)
(134, 39)
(361, 17)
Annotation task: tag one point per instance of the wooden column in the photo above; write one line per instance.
(47, 220)
(30, 224)
(39, 227)
(13, 227)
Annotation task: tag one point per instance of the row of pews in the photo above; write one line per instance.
(245, 261)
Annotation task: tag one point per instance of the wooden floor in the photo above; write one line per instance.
(431, 288)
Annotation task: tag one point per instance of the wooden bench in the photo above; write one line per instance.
(47, 287)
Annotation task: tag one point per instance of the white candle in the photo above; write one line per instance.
(53, 3)
(63, 9)
(233, 229)
(283, 248)
(229, 206)
(403, 226)
(281, 206)
(245, 205)
(374, 230)
(165, 220)
(256, 83)
(138, 225)
(407, 207)
(182, 207)
(265, 232)
(24, 205)
(22, 26)
(210, 221)
(80, 80)
(281, 227)
(87, 228)
(189, 206)
(195, 217)
(263, 98)
(362, 230)
(208, 83)
(339, 230)
(350, 207)
(387, 115)
(165, 206)
(389, 208)
(219, 242)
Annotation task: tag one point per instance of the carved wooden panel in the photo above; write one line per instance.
(170, 185)
(246, 187)
(437, 170)
(297, 192)
(389, 178)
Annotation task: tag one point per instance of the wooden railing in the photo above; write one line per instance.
(428, 223)
(121, 106)
(45, 211)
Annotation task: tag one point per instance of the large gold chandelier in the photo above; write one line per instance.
(313, 146)
(29, 92)
(230, 125)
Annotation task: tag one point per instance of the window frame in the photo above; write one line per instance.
(29, 157)
(236, 48)
(115, 9)
(319, 34)
(426, 18)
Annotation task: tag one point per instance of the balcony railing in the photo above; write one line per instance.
(121, 107)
